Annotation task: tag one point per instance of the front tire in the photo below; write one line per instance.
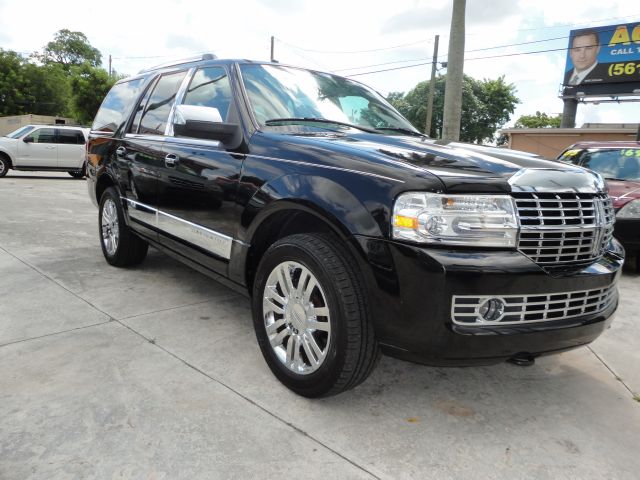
(120, 246)
(311, 316)
(4, 165)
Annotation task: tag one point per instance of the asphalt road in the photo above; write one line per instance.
(154, 373)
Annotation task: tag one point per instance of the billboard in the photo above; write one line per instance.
(603, 61)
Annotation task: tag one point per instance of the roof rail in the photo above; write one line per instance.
(197, 58)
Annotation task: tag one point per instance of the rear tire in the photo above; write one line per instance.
(311, 317)
(120, 246)
(79, 173)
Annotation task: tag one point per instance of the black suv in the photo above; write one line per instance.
(350, 230)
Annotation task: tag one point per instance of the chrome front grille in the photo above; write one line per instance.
(519, 309)
(564, 230)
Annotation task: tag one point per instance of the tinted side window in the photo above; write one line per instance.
(133, 128)
(613, 164)
(155, 117)
(70, 137)
(113, 108)
(43, 135)
(210, 88)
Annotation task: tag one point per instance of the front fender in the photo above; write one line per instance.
(318, 195)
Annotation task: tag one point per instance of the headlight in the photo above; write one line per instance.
(477, 220)
(630, 210)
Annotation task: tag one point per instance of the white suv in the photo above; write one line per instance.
(44, 147)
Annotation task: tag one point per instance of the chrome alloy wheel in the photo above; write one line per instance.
(2, 166)
(110, 226)
(296, 317)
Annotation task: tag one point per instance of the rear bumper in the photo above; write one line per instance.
(411, 298)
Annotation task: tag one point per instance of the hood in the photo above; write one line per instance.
(623, 191)
(457, 167)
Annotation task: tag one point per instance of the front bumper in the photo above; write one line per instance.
(411, 291)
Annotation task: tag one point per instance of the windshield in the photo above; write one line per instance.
(615, 163)
(19, 132)
(293, 95)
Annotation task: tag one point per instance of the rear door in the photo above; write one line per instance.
(40, 149)
(70, 148)
(140, 155)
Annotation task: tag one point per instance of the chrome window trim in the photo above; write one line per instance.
(168, 130)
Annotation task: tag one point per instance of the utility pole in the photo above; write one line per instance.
(638, 134)
(569, 113)
(272, 43)
(432, 86)
(455, 68)
(109, 65)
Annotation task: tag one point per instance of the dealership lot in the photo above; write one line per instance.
(154, 372)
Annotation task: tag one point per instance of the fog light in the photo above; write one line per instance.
(491, 310)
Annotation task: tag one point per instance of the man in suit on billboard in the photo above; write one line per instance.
(585, 47)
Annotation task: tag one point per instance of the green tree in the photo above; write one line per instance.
(12, 96)
(89, 85)
(486, 106)
(46, 89)
(28, 88)
(539, 120)
(70, 49)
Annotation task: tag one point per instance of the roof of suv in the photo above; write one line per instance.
(609, 144)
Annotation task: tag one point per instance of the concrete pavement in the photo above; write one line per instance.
(155, 373)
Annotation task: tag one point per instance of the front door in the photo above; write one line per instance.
(39, 150)
(198, 181)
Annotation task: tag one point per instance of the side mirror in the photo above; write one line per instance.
(205, 122)
(28, 139)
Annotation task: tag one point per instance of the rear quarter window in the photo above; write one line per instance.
(115, 105)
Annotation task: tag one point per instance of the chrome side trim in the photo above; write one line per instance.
(197, 235)
(210, 240)
(533, 308)
(141, 212)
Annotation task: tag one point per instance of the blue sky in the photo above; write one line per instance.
(337, 35)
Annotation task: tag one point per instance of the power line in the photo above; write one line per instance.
(470, 51)
(444, 56)
(427, 41)
(468, 60)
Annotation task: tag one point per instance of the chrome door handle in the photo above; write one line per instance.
(121, 151)
(170, 160)
(49, 148)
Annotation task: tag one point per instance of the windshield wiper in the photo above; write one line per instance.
(619, 179)
(273, 121)
(404, 130)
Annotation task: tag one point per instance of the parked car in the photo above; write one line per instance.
(350, 230)
(619, 163)
(53, 148)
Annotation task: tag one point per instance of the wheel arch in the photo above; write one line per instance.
(103, 182)
(6, 156)
(296, 204)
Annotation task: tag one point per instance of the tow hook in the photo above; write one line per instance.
(523, 359)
